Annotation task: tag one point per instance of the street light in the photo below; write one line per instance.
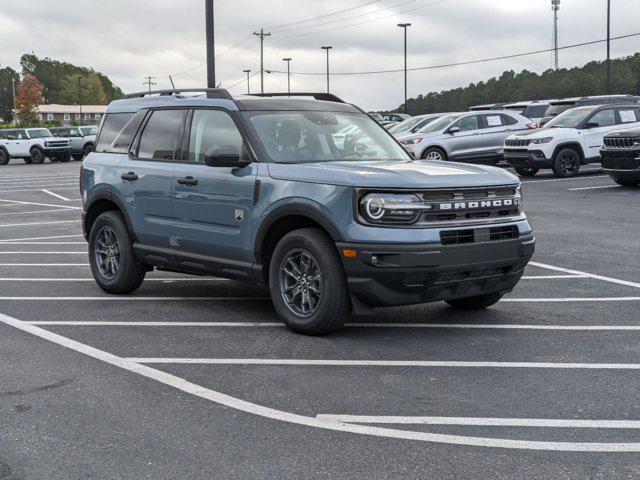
(288, 60)
(404, 26)
(608, 46)
(247, 72)
(327, 48)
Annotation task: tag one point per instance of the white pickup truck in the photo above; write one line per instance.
(33, 145)
(83, 139)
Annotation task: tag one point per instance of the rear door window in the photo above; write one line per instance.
(113, 124)
(628, 115)
(162, 135)
(122, 143)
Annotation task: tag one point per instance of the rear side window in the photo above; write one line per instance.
(161, 136)
(113, 124)
(3, 134)
(508, 120)
(629, 115)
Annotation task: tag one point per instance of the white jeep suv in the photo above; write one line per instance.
(570, 140)
(33, 145)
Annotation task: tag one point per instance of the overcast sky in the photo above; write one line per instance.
(129, 39)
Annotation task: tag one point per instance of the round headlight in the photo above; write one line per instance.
(375, 208)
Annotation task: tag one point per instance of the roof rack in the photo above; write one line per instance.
(211, 92)
(327, 97)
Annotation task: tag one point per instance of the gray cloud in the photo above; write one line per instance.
(131, 39)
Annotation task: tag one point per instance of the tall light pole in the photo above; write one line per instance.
(288, 60)
(248, 71)
(608, 46)
(15, 110)
(211, 53)
(404, 27)
(80, 97)
(555, 6)
(327, 48)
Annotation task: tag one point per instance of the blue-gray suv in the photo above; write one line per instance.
(269, 189)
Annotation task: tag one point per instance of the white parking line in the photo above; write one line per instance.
(297, 419)
(30, 212)
(37, 183)
(594, 188)
(16, 242)
(132, 299)
(483, 421)
(385, 363)
(30, 224)
(590, 275)
(18, 202)
(550, 277)
(42, 253)
(573, 299)
(44, 264)
(65, 199)
(56, 280)
(531, 182)
(53, 187)
(462, 326)
(39, 238)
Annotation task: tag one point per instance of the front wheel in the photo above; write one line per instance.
(308, 285)
(526, 171)
(475, 303)
(37, 156)
(4, 156)
(113, 263)
(27, 160)
(433, 153)
(566, 163)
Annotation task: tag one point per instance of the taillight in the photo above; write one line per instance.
(532, 125)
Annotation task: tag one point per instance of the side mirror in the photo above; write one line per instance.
(224, 157)
(453, 130)
(591, 125)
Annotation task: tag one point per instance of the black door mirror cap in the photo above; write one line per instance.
(224, 157)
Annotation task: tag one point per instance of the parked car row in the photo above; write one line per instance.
(34, 145)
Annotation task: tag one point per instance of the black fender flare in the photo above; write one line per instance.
(572, 144)
(293, 209)
(105, 194)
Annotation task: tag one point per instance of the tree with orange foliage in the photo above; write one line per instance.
(28, 98)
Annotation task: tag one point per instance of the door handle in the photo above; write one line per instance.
(131, 176)
(188, 181)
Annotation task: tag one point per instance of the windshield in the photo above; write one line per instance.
(89, 130)
(570, 118)
(39, 133)
(438, 124)
(405, 125)
(310, 136)
(554, 110)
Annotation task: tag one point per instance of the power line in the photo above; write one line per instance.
(468, 62)
(323, 16)
(361, 23)
(244, 79)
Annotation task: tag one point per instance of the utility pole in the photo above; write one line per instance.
(555, 6)
(149, 82)
(211, 53)
(404, 27)
(261, 35)
(248, 71)
(288, 60)
(327, 48)
(608, 46)
(80, 97)
(15, 110)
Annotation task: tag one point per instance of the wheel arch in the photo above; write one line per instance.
(571, 144)
(103, 201)
(438, 147)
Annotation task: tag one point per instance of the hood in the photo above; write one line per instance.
(393, 174)
(544, 132)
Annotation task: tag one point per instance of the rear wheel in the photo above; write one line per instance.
(78, 156)
(113, 263)
(566, 163)
(27, 160)
(4, 156)
(64, 157)
(308, 285)
(433, 153)
(88, 148)
(526, 171)
(475, 303)
(627, 182)
(37, 155)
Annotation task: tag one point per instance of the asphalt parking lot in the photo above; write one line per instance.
(196, 378)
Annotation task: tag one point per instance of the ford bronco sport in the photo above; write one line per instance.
(255, 188)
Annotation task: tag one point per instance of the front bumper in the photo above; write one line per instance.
(54, 151)
(621, 161)
(389, 275)
(526, 158)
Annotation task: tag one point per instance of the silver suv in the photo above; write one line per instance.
(83, 139)
(475, 137)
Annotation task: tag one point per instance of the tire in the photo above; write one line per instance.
(433, 153)
(27, 160)
(37, 156)
(88, 148)
(78, 156)
(626, 182)
(4, 156)
(475, 303)
(64, 158)
(125, 274)
(326, 311)
(566, 163)
(526, 171)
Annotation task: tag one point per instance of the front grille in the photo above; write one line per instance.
(478, 235)
(517, 142)
(460, 276)
(58, 143)
(621, 143)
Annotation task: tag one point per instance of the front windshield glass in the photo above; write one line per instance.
(405, 125)
(39, 133)
(438, 124)
(89, 130)
(570, 118)
(311, 136)
(555, 110)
